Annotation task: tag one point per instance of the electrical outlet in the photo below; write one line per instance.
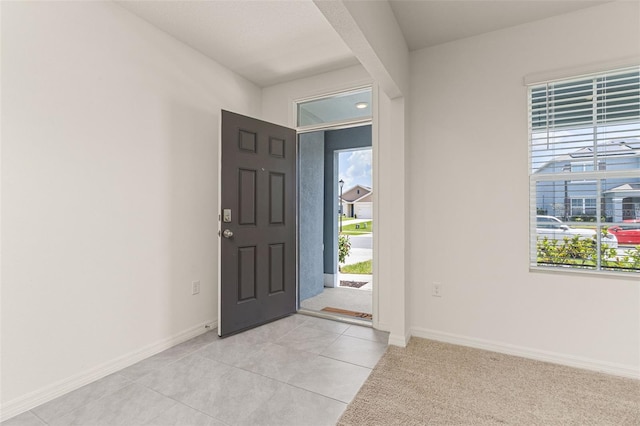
(195, 287)
(436, 290)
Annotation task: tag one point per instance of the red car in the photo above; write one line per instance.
(627, 234)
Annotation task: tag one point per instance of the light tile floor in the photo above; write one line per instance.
(296, 371)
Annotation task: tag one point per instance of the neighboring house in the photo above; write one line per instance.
(363, 207)
(358, 202)
(576, 197)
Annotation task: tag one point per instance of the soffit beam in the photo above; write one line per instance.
(372, 33)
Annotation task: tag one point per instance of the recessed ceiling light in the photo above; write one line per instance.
(362, 105)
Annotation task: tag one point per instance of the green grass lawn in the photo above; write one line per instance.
(358, 268)
(350, 228)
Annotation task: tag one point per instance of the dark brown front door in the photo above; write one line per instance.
(258, 234)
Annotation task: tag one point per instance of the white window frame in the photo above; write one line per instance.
(597, 173)
(363, 120)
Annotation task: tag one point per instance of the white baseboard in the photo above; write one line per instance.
(540, 355)
(33, 399)
(397, 339)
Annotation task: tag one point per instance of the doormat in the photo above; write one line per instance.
(352, 284)
(347, 312)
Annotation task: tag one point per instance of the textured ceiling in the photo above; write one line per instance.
(267, 42)
(431, 22)
(272, 41)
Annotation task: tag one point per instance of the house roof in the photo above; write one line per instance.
(368, 188)
(367, 198)
(615, 148)
(610, 148)
(351, 195)
(627, 187)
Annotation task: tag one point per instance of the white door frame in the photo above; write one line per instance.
(374, 160)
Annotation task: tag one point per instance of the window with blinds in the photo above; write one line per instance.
(584, 169)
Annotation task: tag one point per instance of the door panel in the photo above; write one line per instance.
(276, 268)
(247, 197)
(276, 198)
(258, 261)
(246, 273)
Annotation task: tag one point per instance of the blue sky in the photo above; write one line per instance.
(355, 167)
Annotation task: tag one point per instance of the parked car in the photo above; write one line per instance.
(627, 234)
(554, 229)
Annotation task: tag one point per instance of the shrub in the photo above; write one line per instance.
(582, 253)
(588, 218)
(344, 247)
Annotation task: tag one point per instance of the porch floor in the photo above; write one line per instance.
(352, 299)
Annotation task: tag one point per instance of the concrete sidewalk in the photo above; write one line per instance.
(351, 221)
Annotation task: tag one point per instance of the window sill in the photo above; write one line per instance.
(589, 272)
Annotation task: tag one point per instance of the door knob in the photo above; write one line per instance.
(227, 233)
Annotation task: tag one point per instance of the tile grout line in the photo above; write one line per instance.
(286, 382)
(38, 417)
(180, 403)
(365, 339)
(247, 371)
(349, 362)
(180, 357)
(319, 394)
(131, 381)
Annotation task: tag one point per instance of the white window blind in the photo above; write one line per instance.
(584, 168)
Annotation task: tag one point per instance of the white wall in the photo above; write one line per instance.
(468, 178)
(109, 186)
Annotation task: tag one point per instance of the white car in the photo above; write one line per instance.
(553, 228)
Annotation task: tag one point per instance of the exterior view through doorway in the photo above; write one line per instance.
(335, 207)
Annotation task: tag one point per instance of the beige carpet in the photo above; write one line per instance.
(441, 384)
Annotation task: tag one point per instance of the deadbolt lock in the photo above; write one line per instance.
(226, 215)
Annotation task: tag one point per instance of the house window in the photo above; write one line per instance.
(581, 167)
(583, 207)
(341, 108)
(584, 162)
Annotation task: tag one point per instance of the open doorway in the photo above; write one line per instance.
(355, 230)
(336, 223)
(335, 130)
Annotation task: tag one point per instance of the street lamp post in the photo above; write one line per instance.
(341, 183)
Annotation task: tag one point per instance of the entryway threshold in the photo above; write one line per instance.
(339, 318)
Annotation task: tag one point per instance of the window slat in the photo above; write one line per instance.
(584, 159)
